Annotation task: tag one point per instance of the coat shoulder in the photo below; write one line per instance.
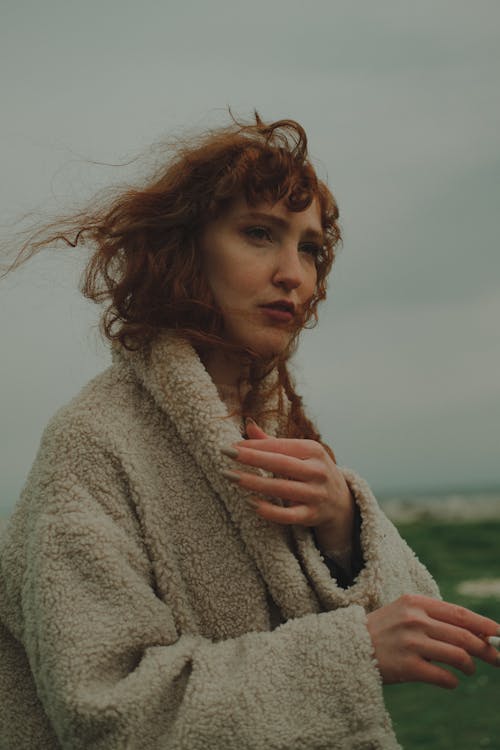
(101, 407)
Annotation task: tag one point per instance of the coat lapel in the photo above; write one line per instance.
(172, 372)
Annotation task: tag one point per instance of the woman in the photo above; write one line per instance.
(176, 575)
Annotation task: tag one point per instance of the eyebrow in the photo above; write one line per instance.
(309, 232)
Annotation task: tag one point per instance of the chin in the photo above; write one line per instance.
(268, 343)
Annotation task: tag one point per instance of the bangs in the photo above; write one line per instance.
(268, 175)
(273, 175)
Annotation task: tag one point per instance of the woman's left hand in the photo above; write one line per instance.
(307, 479)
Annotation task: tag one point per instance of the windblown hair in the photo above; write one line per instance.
(146, 264)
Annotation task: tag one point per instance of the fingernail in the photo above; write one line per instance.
(231, 452)
(249, 420)
(253, 503)
(494, 640)
(230, 475)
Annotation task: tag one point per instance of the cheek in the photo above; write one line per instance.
(228, 285)
(235, 279)
(309, 286)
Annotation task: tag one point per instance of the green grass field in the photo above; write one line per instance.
(467, 718)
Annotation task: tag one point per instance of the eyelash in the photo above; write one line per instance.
(315, 249)
(250, 230)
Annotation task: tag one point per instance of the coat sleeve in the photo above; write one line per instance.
(343, 576)
(111, 670)
(396, 564)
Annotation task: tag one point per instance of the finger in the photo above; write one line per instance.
(447, 654)
(435, 675)
(278, 463)
(464, 639)
(297, 492)
(459, 616)
(295, 514)
(298, 448)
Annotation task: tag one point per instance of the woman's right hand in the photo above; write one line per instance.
(414, 631)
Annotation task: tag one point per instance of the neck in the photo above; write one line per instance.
(223, 369)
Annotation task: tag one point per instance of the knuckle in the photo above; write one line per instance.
(314, 517)
(465, 661)
(301, 516)
(411, 610)
(412, 619)
(468, 642)
(316, 495)
(277, 467)
(460, 659)
(322, 496)
(408, 600)
(316, 448)
(460, 615)
(410, 643)
(318, 475)
(288, 463)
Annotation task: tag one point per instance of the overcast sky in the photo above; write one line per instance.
(400, 101)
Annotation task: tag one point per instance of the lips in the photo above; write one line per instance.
(281, 304)
(279, 312)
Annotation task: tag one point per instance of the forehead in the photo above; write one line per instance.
(307, 220)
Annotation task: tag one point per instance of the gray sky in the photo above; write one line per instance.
(400, 101)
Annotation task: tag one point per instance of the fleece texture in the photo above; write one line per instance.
(144, 605)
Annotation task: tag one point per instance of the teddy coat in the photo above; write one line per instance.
(144, 605)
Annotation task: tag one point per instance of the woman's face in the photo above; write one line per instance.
(260, 265)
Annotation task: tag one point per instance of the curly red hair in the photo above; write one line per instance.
(146, 264)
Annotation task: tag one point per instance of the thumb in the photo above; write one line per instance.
(253, 430)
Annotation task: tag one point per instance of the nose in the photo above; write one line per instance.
(289, 271)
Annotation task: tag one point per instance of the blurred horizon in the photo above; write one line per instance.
(488, 495)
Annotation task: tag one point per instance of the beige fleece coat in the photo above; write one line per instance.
(139, 593)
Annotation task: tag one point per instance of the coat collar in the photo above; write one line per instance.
(171, 370)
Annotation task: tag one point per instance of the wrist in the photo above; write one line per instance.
(334, 537)
(341, 558)
(335, 543)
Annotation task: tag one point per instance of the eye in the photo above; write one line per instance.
(258, 233)
(311, 248)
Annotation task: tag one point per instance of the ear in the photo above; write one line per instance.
(253, 430)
